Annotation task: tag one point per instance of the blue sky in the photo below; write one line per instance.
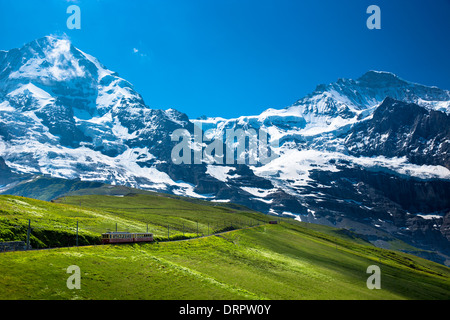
(239, 57)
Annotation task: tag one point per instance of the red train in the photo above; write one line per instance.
(126, 237)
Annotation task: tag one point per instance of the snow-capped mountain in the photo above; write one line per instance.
(336, 106)
(64, 114)
(355, 152)
(370, 155)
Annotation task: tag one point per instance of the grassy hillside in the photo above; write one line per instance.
(291, 260)
(54, 224)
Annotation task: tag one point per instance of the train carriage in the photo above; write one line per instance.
(126, 237)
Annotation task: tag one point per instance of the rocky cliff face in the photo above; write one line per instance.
(370, 155)
(399, 129)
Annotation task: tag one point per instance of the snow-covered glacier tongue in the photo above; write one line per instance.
(370, 155)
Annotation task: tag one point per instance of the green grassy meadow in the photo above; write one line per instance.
(54, 224)
(287, 261)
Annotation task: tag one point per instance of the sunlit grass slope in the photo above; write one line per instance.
(266, 262)
(54, 224)
(290, 260)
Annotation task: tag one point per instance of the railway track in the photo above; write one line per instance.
(127, 243)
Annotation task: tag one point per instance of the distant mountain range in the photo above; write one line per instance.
(371, 155)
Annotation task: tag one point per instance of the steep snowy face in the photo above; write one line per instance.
(53, 87)
(47, 60)
(63, 113)
(54, 66)
(59, 68)
(50, 84)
